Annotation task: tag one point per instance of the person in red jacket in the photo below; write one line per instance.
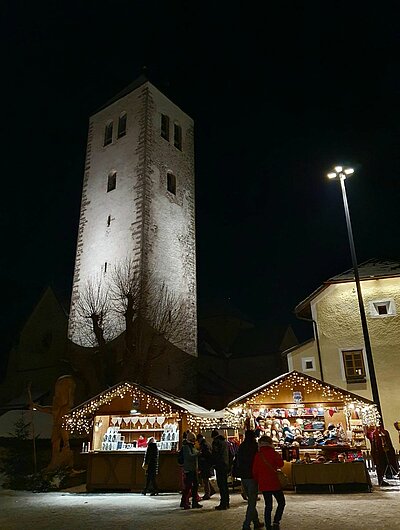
(265, 464)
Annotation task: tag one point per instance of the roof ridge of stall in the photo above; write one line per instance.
(295, 372)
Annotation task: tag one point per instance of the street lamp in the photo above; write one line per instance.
(342, 173)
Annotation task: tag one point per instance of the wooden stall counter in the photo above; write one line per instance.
(122, 470)
(331, 475)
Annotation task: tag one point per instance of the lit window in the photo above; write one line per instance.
(178, 136)
(112, 181)
(165, 126)
(108, 133)
(308, 364)
(354, 369)
(171, 183)
(122, 125)
(382, 308)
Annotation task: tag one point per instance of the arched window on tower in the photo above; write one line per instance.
(178, 136)
(108, 131)
(171, 183)
(122, 125)
(112, 181)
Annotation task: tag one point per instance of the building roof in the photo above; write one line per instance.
(141, 80)
(283, 379)
(372, 269)
(124, 387)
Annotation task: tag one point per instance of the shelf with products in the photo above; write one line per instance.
(131, 433)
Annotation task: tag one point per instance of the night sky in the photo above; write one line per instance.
(277, 98)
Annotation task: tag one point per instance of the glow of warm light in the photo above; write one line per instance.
(338, 169)
(349, 171)
(332, 175)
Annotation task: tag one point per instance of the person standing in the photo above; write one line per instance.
(266, 462)
(244, 470)
(190, 470)
(219, 451)
(150, 465)
(205, 465)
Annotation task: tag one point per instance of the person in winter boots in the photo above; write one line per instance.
(244, 470)
(190, 470)
(265, 464)
(219, 451)
(150, 465)
(205, 465)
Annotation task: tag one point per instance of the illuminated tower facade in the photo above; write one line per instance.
(138, 199)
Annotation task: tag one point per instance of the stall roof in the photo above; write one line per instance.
(282, 379)
(175, 401)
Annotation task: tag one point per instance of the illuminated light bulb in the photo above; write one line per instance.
(338, 169)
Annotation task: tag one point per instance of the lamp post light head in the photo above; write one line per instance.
(341, 172)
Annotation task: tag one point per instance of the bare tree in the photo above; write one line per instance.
(151, 317)
(93, 309)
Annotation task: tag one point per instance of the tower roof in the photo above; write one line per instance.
(139, 81)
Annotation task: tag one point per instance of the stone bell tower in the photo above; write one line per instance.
(138, 198)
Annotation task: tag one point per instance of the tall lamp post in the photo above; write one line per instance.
(342, 173)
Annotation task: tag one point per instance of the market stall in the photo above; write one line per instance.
(308, 419)
(118, 423)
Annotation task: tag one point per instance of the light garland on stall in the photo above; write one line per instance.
(80, 420)
(297, 382)
(229, 421)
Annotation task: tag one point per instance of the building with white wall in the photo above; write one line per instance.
(138, 199)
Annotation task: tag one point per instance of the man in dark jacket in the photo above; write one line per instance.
(244, 470)
(205, 465)
(220, 457)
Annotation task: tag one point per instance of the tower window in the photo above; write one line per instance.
(165, 126)
(354, 368)
(108, 131)
(105, 267)
(122, 125)
(171, 183)
(112, 181)
(178, 136)
(109, 220)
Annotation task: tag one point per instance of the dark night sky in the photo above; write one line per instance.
(277, 99)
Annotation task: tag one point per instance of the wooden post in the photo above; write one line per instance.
(33, 428)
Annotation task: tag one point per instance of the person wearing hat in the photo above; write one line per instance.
(266, 462)
(190, 470)
(245, 458)
(220, 458)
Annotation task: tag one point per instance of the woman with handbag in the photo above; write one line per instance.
(266, 464)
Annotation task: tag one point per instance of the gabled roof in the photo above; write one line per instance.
(126, 386)
(284, 378)
(373, 269)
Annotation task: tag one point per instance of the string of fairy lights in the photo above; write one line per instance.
(80, 420)
(297, 382)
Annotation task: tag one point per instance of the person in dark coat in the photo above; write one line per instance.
(266, 462)
(219, 451)
(205, 465)
(244, 470)
(190, 470)
(150, 465)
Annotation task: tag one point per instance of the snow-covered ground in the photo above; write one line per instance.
(72, 510)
